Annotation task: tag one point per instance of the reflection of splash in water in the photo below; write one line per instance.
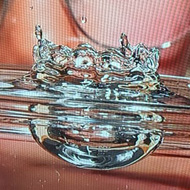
(87, 135)
(95, 145)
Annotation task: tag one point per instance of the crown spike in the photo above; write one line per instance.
(38, 32)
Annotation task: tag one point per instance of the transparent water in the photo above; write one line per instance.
(96, 110)
(83, 19)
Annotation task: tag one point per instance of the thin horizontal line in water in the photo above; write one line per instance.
(174, 77)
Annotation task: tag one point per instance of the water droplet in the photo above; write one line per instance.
(166, 45)
(83, 19)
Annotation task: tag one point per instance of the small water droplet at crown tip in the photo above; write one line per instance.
(83, 19)
(38, 32)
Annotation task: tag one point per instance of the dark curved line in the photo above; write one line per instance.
(4, 11)
(80, 28)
